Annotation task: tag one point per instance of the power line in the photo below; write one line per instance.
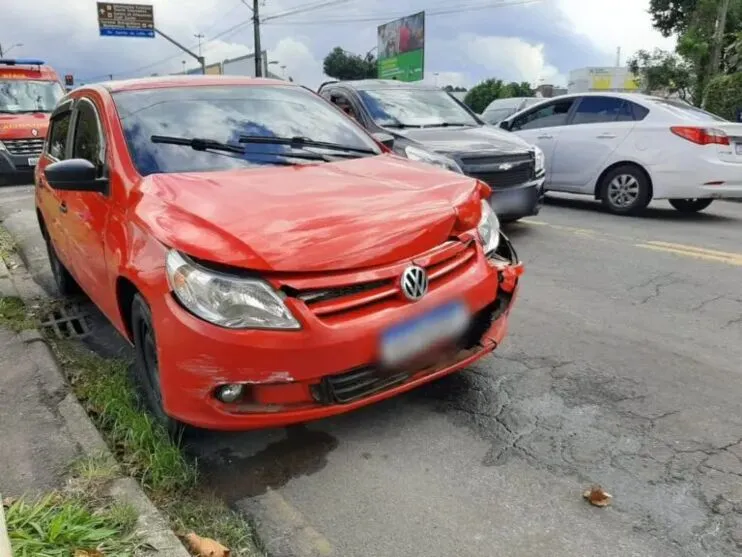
(302, 9)
(428, 13)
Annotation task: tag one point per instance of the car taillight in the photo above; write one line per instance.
(701, 136)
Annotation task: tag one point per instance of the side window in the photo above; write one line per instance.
(343, 102)
(554, 114)
(88, 142)
(638, 111)
(57, 137)
(326, 93)
(595, 110)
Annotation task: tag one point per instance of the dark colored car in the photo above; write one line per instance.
(430, 125)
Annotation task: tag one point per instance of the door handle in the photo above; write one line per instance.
(545, 137)
(63, 207)
(607, 136)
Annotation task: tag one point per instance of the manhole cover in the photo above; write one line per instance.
(67, 322)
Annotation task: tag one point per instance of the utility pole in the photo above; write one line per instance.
(199, 36)
(256, 30)
(198, 57)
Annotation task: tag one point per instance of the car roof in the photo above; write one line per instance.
(171, 81)
(365, 84)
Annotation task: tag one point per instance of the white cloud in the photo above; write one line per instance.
(511, 59)
(610, 24)
(300, 63)
(441, 79)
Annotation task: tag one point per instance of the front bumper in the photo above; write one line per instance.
(518, 201)
(292, 374)
(15, 170)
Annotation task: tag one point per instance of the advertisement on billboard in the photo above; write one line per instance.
(401, 48)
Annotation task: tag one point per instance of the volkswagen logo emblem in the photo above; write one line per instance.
(34, 132)
(414, 283)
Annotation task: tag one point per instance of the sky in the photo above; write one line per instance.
(538, 41)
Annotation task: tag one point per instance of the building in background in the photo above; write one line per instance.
(618, 79)
(243, 65)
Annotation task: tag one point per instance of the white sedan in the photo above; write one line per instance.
(627, 149)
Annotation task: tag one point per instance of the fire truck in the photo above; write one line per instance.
(29, 91)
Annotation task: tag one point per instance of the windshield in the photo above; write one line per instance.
(414, 108)
(224, 114)
(19, 96)
(497, 115)
(687, 111)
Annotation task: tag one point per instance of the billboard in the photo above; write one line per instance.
(401, 48)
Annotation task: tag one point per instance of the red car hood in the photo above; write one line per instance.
(21, 126)
(333, 216)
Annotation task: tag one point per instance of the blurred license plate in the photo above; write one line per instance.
(738, 148)
(33, 161)
(407, 340)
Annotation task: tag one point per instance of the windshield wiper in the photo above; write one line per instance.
(447, 124)
(399, 125)
(202, 144)
(302, 142)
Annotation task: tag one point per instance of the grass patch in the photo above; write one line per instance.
(7, 245)
(145, 451)
(14, 315)
(69, 523)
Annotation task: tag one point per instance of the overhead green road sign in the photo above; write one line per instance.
(401, 46)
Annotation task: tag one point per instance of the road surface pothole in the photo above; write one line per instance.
(67, 321)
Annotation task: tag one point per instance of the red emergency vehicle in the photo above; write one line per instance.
(29, 91)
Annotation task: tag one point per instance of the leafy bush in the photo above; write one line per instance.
(724, 95)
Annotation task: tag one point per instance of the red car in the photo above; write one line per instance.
(270, 261)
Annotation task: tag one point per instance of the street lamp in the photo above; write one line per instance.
(11, 47)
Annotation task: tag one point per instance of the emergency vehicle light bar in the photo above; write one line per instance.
(21, 62)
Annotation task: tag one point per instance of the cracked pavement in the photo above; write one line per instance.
(623, 367)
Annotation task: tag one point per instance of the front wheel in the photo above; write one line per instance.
(146, 363)
(690, 205)
(63, 280)
(625, 190)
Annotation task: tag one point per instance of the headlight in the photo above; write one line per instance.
(540, 160)
(488, 228)
(2, 147)
(225, 300)
(417, 154)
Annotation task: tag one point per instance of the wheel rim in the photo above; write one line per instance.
(149, 359)
(623, 190)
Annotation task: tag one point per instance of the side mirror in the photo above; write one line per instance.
(505, 125)
(75, 175)
(385, 139)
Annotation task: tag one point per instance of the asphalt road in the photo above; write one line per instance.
(623, 367)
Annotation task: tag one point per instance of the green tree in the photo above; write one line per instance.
(345, 65)
(661, 70)
(513, 89)
(454, 89)
(482, 94)
(724, 95)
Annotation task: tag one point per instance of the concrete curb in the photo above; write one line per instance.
(4, 540)
(152, 527)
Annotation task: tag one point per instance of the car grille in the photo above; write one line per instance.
(25, 147)
(451, 259)
(491, 169)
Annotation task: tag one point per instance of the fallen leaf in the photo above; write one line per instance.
(88, 553)
(206, 547)
(8, 502)
(598, 496)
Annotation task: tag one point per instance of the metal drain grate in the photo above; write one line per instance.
(67, 322)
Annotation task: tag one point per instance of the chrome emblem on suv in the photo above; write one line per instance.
(505, 166)
(414, 283)
(34, 132)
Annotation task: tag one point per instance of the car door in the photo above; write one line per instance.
(597, 126)
(542, 125)
(87, 212)
(53, 203)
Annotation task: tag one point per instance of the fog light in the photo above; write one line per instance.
(230, 393)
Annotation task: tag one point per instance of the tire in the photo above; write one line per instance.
(690, 205)
(63, 280)
(146, 365)
(625, 190)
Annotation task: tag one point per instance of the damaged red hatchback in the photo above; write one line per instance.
(270, 261)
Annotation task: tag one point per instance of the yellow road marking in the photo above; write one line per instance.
(656, 245)
(695, 254)
(696, 249)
